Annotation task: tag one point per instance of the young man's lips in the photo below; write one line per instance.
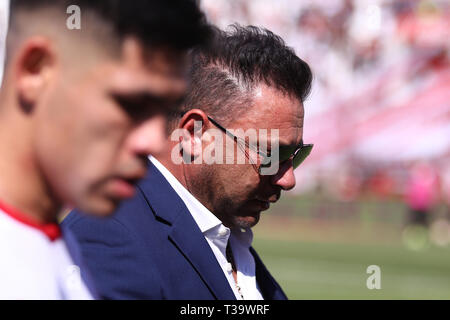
(123, 188)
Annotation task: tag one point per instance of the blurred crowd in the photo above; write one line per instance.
(380, 104)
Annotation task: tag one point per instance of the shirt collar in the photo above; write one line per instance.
(204, 218)
(51, 230)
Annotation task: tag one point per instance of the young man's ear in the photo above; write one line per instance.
(33, 70)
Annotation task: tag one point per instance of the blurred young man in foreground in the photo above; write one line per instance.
(80, 110)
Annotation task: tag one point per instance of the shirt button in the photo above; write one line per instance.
(229, 267)
(223, 231)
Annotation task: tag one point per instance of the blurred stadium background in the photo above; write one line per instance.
(376, 189)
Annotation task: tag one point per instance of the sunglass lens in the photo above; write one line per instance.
(302, 154)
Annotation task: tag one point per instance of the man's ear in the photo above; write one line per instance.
(192, 125)
(34, 68)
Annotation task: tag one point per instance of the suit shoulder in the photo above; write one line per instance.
(129, 212)
(104, 230)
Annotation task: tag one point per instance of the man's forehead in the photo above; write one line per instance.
(273, 109)
(156, 73)
(141, 81)
(163, 60)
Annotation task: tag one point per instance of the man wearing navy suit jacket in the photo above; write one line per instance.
(187, 232)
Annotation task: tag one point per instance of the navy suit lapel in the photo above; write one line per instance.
(190, 241)
(184, 233)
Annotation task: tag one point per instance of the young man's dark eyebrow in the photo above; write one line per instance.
(147, 98)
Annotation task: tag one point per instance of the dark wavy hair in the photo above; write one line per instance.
(236, 61)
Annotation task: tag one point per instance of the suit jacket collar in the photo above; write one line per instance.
(184, 232)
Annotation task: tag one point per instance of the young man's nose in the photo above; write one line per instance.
(149, 138)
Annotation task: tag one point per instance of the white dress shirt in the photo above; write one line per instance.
(217, 236)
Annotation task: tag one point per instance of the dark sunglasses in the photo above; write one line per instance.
(301, 152)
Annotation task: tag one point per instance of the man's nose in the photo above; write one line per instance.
(149, 137)
(285, 177)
